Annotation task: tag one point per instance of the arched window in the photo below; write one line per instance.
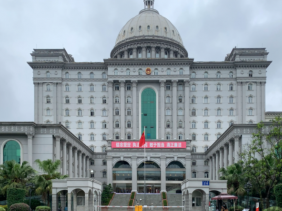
(115, 72)
(168, 136)
(206, 87)
(168, 72)
(206, 99)
(140, 27)
(165, 30)
(193, 124)
(206, 125)
(128, 100)
(193, 75)
(250, 122)
(250, 87)
(194, 149)
(231, 123)
(67, 88)
(167, 100)
(79, 100)
(116, 99)
(48, 112)
(127, 72)
(91, 100)
(206, 75)
(250, 99)
(12, 151)
(206, 137)
(194, 137)
(168, 124)
(67, 100)
(218, 135)
(48, 87)
(218, 112)
(148, 27)
(79, 125)
(148, 52)
(231, 99)
(250, 73)
(230, 74)
(168, 111)
(206, 163)
(104, 137)
(218, 87)
(218, 99)
(117, 136)
(104, 100)
(67, 75)
(128, 136)
(194, 174)
(67, 125)
(48, 122)
(104, 125)
(193, 100)
(48, 75)
(48, 99)
(79, 136)
(116, 111)
(104, 75)
(92, 125)
(193, 88)
(129, 124)
(104, 88)
(79, 75)
(104, 112)
(206, 174)
(79, 112)
(91, 75)
(128, 112)
(156, 72)
(231, 112)
(180, 111)
(67, 112)
(91, 147)
(250, 112)
(193, 112)
(180, 99)
(218, 125)
(117, 124)
(181, 72)
(92, 112)
(230, 87)
(206, 112)
(79, 88)
(206, 148)
(180, 136)
(180, 124)
(91, 88)
(218, 74)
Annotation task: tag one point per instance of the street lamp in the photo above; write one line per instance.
(31, 186)
(248, 187)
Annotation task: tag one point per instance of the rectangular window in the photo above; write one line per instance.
(128, 87)
(180, 87)
(104, 88)
(167, 87)
(116, 87)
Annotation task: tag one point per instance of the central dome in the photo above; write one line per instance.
(149, 24)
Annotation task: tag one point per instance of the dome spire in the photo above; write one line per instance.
(149, 4)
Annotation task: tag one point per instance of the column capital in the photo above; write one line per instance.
(30, 134)
(174, 81)
(162, 82)
(110, 82)
(122, 82)
(134, 82)
(57, 137)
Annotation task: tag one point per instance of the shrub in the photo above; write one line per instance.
(165, 203)
(132, 195)
(273, 209)
(33, 203)
(130, 202)
(278, 194)
(15, 196)
(2, 209)
(19, 207)
(42, 208)
(5, 207)
(164, 195)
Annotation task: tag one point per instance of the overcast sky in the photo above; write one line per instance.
(87, 29)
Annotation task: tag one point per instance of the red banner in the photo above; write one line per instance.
(149, 145)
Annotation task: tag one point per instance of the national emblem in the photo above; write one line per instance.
(148, 71)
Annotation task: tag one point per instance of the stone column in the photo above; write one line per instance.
(122, 110)
(239, 103)
(174, 107)
(109, 170)
(153, 49)
(59, 102)
(118, 56)
(216, 165)
(143, 52)
(54, 103)
(230, 153)
(70, 162)
(84, 166)
(87, 167)
(134, 110)
(207, 200)
(30, 149)
(41, 101)
(162, 53)
(188, 167)
(110, 108)
(211, 167)
(54, 201)
(236, 149)
(178, 55)
(134, 52)
(263, 101)
(36, 102)
(58, 151)
(134, 174)
(171, 53)
(244, 88)
(80, 165)
(258, 102)
(86, 208)
(163, 174)
(187, 104)
(64, 157)
(162, 114)
(190, 201)
(69, 202)
(75, 163)
(220, 158)
(126, 54)
(74, 201)
(225, 156)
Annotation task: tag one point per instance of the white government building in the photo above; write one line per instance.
(197, 115)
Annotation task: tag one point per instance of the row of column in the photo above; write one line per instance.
(134, 171)
(74, 163)
(155, 52)
(226, 155)
(40, 100)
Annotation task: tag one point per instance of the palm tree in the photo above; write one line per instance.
(234, 174)
(44, 181)
(14, 175)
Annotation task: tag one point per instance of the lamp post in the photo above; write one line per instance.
(248, 187)
(31, 186)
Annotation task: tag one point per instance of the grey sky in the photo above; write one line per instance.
(87, 29)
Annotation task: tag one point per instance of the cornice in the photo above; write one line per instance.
(136, 62)
(84, 80)
(250, 64)
(68, 65)
(230, 64)
(45, 79)
(147, 77)
(45, 65)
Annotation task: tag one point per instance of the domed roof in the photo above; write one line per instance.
(149, 24)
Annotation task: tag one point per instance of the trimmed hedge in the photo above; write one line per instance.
(163, 195)
(278, 194)
(165, 203)
(273, 209)
(132, 195)
(42, 208)
(4, 206)
(33, 203)
(130, 202)
(19, 207)
(15, 196)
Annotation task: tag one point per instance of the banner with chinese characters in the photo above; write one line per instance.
(149, 145)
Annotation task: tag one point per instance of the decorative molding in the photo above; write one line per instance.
(85, 79)
(47, 80)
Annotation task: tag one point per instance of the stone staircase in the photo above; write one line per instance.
(120, 200)
(151, 200)
(174, 199)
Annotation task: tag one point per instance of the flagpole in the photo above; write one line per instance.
(144, 169)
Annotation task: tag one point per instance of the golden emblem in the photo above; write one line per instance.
(148, 71)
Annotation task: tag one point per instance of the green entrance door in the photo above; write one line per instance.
(149, 113)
